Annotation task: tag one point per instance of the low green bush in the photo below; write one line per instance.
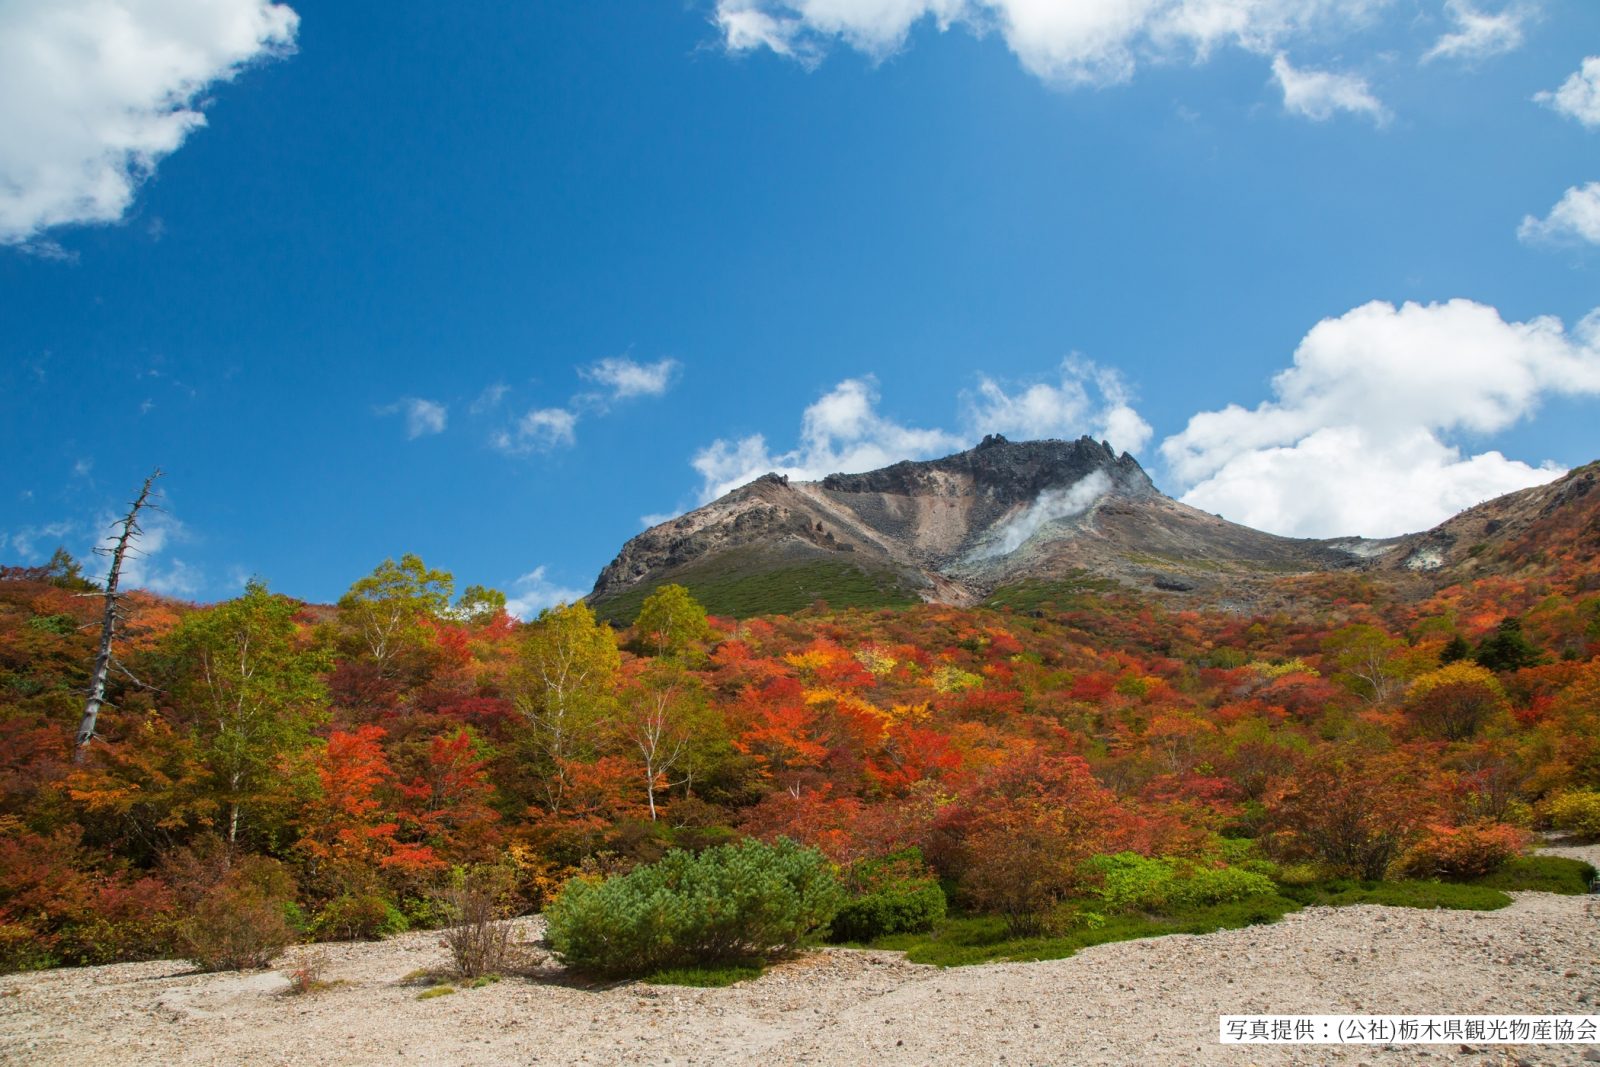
(734, 902)
(890, 911)
(1342, 892)
(360, 917)
(1546, 874)
(893, 894)
(1138, 883)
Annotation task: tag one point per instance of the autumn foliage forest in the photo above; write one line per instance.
(331, 767)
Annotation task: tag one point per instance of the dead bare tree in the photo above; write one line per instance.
(111, 620)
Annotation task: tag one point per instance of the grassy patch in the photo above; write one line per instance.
(1546, 874)
(741, 587)
(1070, 593)
(422, 976)
(436, 991)
(709, 977)
(968, 939)
(1340, 892)
(983, 939)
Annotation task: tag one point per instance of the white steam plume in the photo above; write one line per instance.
(1052, 504)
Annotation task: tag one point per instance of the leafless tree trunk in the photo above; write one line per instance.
(111, 620)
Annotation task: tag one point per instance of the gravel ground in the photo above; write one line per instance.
(1141, 1002)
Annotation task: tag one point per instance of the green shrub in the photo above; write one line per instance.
(360, 917)
(1547, 874)
(22, 949)
(1343, 892)
(1577, 812)
(1138, 883)
(893, 894)
(733, 902)
(900, 910)
(1297, 874)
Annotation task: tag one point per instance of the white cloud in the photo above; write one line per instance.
(1478, 35)
(1576, 217)
(490, 398)
(539, 431)
(842, 432)
(533, 592)
(1579, 95)
(25, 542)
(94, 93)
(626, 379)
(423, 417)
(1319, 94)
(1093, 42)
(149, 563)
(1357, 437)
(1064, 410)
(543, 429)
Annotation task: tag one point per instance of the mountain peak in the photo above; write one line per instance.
(1010, 472)
(944, 529)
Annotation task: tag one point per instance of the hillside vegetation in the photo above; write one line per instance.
(1069, 765)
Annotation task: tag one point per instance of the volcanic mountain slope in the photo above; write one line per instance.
(950, 530)
(1537, 531)
(1006, 514)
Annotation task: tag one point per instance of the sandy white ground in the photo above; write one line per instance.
(1142, 1002)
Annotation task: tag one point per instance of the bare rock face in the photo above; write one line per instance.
(954, 529)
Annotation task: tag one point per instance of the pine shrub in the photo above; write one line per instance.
(732, 902)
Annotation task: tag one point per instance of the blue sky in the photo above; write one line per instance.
(495, 284)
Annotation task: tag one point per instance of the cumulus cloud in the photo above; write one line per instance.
(423, 417)
(533, 593)
(543, 429)
(95, 93)
(1579, 95)
(842, 432)
(1063, 409)
(539, 431)
(1357, 439)
(1320, 94)
(625, 378)
(1478, 35)
(1086, 42)
(1575, 218)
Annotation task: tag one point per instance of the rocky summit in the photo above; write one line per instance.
(1007, 513)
